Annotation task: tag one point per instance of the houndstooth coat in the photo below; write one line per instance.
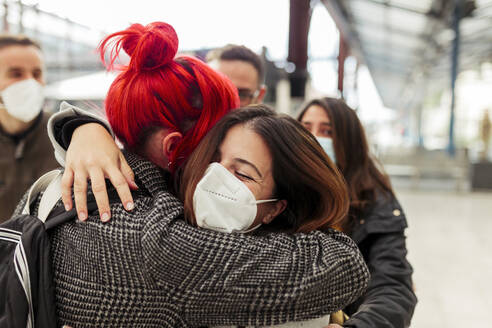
(149, 268)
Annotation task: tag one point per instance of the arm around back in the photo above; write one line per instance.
(253, 280)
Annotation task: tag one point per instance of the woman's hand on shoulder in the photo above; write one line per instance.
(93, 155)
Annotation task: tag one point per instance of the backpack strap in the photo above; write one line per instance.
(50, 183)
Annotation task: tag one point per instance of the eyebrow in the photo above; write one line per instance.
(322, 123)
(13, 69)
(243, 161)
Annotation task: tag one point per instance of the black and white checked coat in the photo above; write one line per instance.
(148, 268)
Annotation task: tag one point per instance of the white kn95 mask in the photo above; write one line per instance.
(223, 203)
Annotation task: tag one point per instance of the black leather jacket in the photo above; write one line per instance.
(389, 300)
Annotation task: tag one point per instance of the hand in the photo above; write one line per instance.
(94, 155)
(334, 325)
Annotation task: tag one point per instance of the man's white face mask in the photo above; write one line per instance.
(23, 100)
(222, 202)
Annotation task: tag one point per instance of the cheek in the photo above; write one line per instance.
(4, 83)
(255, 189)
(41, 80)
(265, 191)
(244, 103)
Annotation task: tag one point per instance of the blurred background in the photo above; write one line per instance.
(418, 72)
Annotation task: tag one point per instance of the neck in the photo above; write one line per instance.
(12, 125)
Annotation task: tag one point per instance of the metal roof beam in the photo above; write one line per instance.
(402, 56)
(338, 13)
(380, 43)
(394, 67)
(366, 23)
(386, 4)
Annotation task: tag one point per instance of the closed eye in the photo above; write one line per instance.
(243, 176)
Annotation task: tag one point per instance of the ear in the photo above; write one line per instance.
(277, 208)
(170, 142)
(261, 94)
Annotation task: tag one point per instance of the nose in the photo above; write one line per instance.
(228, 167)
(315, 130)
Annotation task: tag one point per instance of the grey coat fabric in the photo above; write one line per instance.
(149, 268)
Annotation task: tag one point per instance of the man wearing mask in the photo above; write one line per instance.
(244, 68)
(25, 150)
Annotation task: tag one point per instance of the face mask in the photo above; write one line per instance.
(223, 203)
(23, 100)
(327, 145)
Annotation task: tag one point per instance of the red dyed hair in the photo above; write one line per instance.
(182, 94)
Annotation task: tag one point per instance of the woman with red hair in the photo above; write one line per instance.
(147, 266)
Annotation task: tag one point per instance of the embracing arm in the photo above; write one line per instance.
(389, 301)
(62, 124)
(254, 280)
(93, 155)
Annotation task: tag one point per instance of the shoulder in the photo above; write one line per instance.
(45, 117)
(384, 215)
(40, 133)
(386, 206)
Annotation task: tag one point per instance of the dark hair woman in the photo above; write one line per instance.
(276, 159)
(376, 221)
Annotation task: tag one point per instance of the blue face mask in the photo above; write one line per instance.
(327, 145)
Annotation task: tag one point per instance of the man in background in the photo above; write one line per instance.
(25, 150)
(244, 68)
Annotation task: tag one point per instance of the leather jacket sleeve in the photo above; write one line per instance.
(389, 301)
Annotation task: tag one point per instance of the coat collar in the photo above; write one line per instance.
(147, 175)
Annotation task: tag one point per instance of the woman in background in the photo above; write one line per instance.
(376, 220)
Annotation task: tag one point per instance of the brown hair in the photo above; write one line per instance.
(360, 170)
(303, 174)
(242, 53)
(7, 40)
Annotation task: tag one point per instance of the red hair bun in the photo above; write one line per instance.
(157, 91)
(149, 47)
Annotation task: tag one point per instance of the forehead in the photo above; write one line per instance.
(241, 73)
(242, 142)
(20, 56)
(315, 114)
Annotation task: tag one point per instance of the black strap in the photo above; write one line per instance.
(59, 216)
(56, 220)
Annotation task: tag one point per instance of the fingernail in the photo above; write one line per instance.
(130, 206)
(105, 217)
(67, 207)
(82, 216)
(134, 185)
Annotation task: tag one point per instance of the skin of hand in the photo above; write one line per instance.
(333, 325)
(86, 161)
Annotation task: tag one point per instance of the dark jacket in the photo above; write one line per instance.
(149, 268)
(389, 301)
(23, 159)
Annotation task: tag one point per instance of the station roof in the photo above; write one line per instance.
(407, 45)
